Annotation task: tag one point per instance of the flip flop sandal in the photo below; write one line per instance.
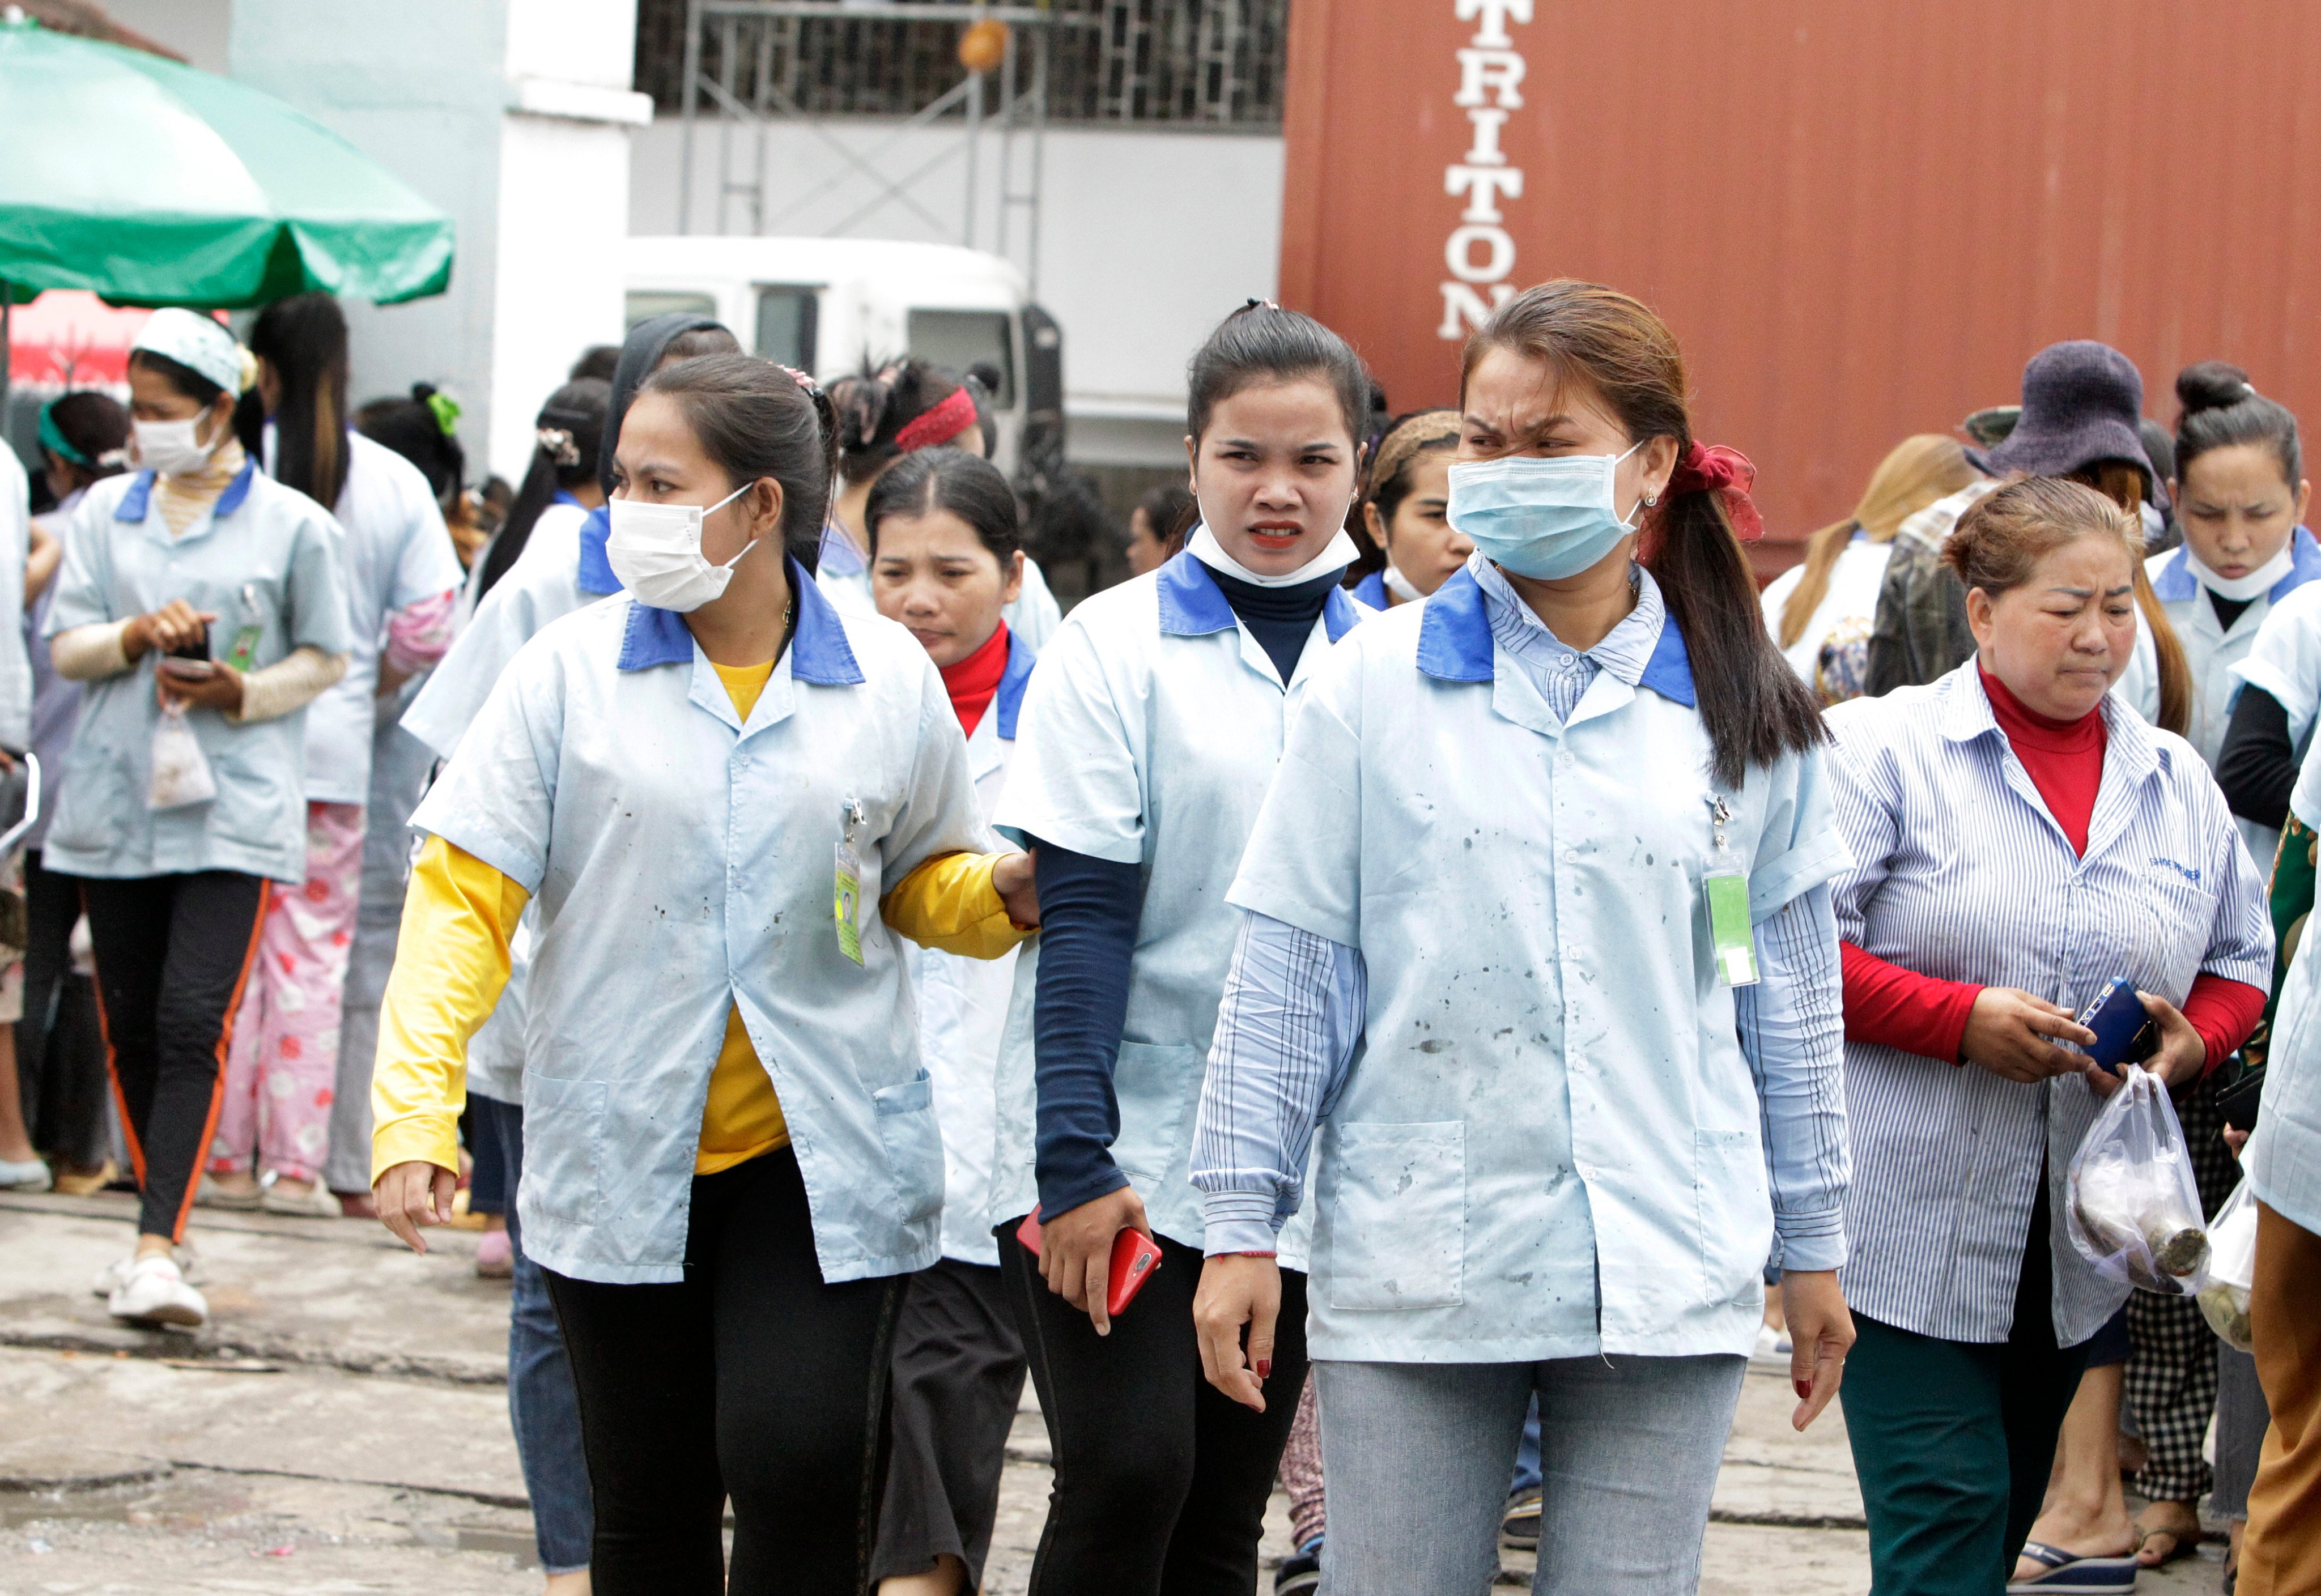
(2178, 1545)
(2078, 1576)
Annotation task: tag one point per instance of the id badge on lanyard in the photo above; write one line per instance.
(243, 653)
(1726, 885)
(846, 898)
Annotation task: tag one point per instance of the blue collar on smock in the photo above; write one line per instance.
(1008, 702)
(1454, 643)
(596, 573)
(1371, 590)
(2175, 584)
(819, 651)
(1192, 605)
(135, 502)
(838, 557)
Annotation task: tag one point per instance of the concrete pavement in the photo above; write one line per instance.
(340, 1426)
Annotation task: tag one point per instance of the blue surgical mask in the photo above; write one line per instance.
(1545, 518)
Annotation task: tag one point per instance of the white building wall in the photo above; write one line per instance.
(512, 115)
(1147, 238)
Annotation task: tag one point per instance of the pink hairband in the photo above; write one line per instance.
(941, 425)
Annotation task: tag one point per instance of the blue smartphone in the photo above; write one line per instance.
(2123, 1030)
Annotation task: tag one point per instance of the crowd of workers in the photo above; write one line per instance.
(1406, 996)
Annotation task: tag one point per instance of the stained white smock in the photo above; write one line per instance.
(682, 861)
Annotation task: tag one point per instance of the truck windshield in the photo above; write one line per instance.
(957, 339)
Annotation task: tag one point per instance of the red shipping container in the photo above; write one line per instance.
(1859, 217)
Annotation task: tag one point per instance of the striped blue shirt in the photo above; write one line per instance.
(1960, 872)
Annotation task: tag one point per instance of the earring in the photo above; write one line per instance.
(1652, 501)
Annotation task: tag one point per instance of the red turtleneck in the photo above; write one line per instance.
(1923, 1014)
(974, 681)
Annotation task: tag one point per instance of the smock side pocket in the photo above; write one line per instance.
(913, 1145)
(564, 1147)
(1398, 1217)
(1155, 1086)
(1735, 1208)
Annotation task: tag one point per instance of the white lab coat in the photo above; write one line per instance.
(397, 552)
(1150, 734)
(681, 860)
(963, 1006)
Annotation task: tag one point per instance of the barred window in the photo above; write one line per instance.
(1186, 63)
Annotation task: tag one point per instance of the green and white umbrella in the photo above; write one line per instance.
(150, 182)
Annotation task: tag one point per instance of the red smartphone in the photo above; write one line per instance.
(1134, 1257)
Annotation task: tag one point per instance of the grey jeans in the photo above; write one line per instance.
(1417, 1455)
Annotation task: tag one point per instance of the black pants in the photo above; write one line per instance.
(750, 1378)
(1161, 1479)
(59, 1041)
(172, 953)
(959, 1374)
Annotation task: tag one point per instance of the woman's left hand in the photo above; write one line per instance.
(220, 689)
(1821, 1329)
(1012, 879)
(2176, 1061)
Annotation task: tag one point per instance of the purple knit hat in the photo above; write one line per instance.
(2082, 401)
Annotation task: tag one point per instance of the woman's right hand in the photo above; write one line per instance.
(412, 1195)
(175, 625)
(2013, 1034)
(1076, 1250)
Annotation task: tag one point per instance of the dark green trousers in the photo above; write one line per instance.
(1953, 1440)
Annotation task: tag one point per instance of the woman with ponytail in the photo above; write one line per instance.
(1555, 848)
(1820, 611)
(282, 1069)
(732, 803)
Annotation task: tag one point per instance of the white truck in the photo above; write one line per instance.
(824, 304)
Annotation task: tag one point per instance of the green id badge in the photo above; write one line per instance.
(1728, 926)
(847, 902)
(244, 651)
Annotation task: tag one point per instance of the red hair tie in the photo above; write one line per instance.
(1727, 473)
(941, 425)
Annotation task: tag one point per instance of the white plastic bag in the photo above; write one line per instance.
(181, 771)
(2134, 1210)
(2232, 1269)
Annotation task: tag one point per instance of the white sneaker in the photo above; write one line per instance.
(109, 1278)
(315, 1202)
(152, 1292)
(31, 1175)
(209, 1193)
(1772, 1345)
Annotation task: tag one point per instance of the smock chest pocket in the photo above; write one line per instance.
(1398, 1219)
(2180, 910)
(563, 1147)
(913, 1143)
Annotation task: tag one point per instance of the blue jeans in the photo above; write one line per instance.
(542, 1409)
(1630, 1451)
(1527, 1474)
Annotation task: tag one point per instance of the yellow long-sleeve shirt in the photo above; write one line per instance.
(452, 962)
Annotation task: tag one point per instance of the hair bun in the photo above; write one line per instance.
(2211, 385)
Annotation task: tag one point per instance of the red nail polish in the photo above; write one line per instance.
(1264, 1367)
(1805, 1389)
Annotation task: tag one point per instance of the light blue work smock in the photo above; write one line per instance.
(683, 865)
(2282, 1159)
(266, 556)
(1151, 729)
(2210, 654)
(963, 1003)
(1550, 1143)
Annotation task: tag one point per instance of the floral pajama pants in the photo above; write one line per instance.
(281, 1066)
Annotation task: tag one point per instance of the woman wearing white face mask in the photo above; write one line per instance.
(731, 1158)
(1405, 496)
(205, 605)
(1537, 910)
(1149, 734)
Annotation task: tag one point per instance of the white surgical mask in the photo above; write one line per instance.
(2241, 589)
(1400, 585)
(655, 549)
(1545, 518)
(170, 448)
(1336, 555)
